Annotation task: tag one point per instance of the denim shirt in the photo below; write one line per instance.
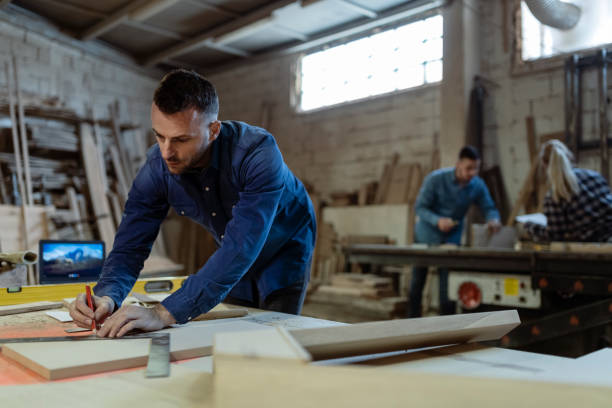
(441, 195)
(258, 212)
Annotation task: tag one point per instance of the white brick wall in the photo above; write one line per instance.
(336, 149)
(540, 95)
(50, 69)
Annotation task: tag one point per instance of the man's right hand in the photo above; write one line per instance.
(82, 314)
(446, 224)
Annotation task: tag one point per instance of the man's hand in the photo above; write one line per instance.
(82, 314)
(136, 317)
(446, 224)
(494, 226)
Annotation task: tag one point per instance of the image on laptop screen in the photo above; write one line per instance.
(70, 261)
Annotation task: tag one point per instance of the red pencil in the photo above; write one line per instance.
(90, 304)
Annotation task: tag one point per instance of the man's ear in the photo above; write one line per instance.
(215, 129)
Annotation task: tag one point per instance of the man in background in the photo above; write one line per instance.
(443, 201)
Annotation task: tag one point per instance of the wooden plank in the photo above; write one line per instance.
(389, 219)
(119, 172)
(275, 343)
(24, 137)
(361, 280)
(184, 388)
(278, 383)
(383, 186)
(385, 336)
(117, 211)
(58, 360)
(120, 145)
(74, 209)
(399, 184)
(99, 200)
(29, 307)
(531, 138)
(368, 293)
(16, 149)
(11, 225)
(416, 180)
(526, 191)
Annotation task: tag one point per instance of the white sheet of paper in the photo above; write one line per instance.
(59, 315)
(536, 218)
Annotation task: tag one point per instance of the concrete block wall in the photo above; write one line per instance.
(54, 73)
(338, 148)
(514, 97)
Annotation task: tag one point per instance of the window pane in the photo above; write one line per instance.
(392, 60)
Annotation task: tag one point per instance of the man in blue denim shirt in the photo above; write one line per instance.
(230, 178)
(443, 201)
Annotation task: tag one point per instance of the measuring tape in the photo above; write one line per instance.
(158, 364)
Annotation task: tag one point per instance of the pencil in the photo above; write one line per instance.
(90, 304)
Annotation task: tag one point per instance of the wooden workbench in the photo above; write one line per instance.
(192, 383)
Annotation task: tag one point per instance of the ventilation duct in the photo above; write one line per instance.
(555, 13)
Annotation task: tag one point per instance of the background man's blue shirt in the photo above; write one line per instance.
(258, 212)
(441, 196)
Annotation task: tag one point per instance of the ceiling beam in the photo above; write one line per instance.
(357, 8)
(226, 49)
(343, 32)
(155, 30)
(245, 31)
(296, 35)
(138, 10)
(201, 40)
(74, 8)
(389, 16)
(204, 5)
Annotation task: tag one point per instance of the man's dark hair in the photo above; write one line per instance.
(183, 89)
(469, 152)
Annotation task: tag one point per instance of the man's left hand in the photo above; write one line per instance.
(136, 317)
(494, 226)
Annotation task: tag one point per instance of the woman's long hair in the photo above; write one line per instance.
(557, 159)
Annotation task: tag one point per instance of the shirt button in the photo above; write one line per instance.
(222, 236)
(234, 206)
(182, 212)
(207, 188)
(214, 214)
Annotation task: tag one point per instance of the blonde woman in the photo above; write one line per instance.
(578, 205)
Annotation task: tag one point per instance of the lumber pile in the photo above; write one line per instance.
(399, 183)
(368, 286)
(78, 169)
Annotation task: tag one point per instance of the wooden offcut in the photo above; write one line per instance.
(65, 359)
(29, 307)
(95, 183)
(385, 336)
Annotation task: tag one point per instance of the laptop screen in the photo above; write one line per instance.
(70, 261)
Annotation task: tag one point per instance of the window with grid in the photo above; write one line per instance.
(404, 57)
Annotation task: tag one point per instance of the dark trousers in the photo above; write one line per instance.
(417, 283)
(286, 300)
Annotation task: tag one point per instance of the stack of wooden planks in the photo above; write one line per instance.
(368, 286)
(400, 183)
(78, 169)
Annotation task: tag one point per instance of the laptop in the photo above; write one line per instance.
(62, 261)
